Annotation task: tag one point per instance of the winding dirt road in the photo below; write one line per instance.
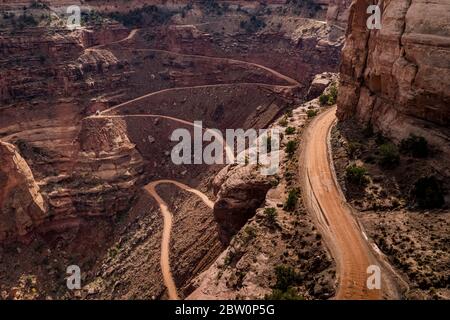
(324, 198)
(165, 242)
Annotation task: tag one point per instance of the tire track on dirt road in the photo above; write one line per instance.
(324, 199)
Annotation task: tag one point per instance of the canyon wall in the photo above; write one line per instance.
(397, 78)
(22, 206)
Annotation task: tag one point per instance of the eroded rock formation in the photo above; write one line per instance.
(397, 78)
(22, 206)
(241, 191)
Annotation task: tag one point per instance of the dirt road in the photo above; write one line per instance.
(165, 242)
(324, 198)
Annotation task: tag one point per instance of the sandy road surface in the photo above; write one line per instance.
(326, 201)
(165, 242)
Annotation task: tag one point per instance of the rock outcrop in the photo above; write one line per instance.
(337, 13)
(22, 206)
(241, 191)
(397, 78)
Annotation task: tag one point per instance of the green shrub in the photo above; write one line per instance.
(271, 215)
(290, 130)
(356, 175)
(250, 233)
(291, 145)
(323, 99)
(311, 113)
(329, 98)
(286, 277)
(389, 155)
(416, 146)
(291, 200)
(332, 96)
(428, 193)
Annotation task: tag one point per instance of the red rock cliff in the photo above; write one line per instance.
(398, 78)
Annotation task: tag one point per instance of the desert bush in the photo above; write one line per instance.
(389, 155)
(330, 97)
(291, 145)
(271, 215)
(286, 277)
(356, 175)
(428, 193)
(311, 113)
(290, 130)
(323, 99)
(291, 200)
(416, 146)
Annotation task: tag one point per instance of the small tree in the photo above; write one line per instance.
(290, 147)
(291, 200)
(323, 99)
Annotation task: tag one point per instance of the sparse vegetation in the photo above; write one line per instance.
(389, 155)
(290, 130)
(250, 233)
(214, 7)
(38, 5)
(147, 15)
(299, 5)
(252, 25)
(329, 98)
(311, 113)
(356, 175)
(290, 148)
(291, 200)
(286, 277)
(271, 215)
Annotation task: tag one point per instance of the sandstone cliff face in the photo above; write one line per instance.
(337, 13)
(398, 78)
(22, 206)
